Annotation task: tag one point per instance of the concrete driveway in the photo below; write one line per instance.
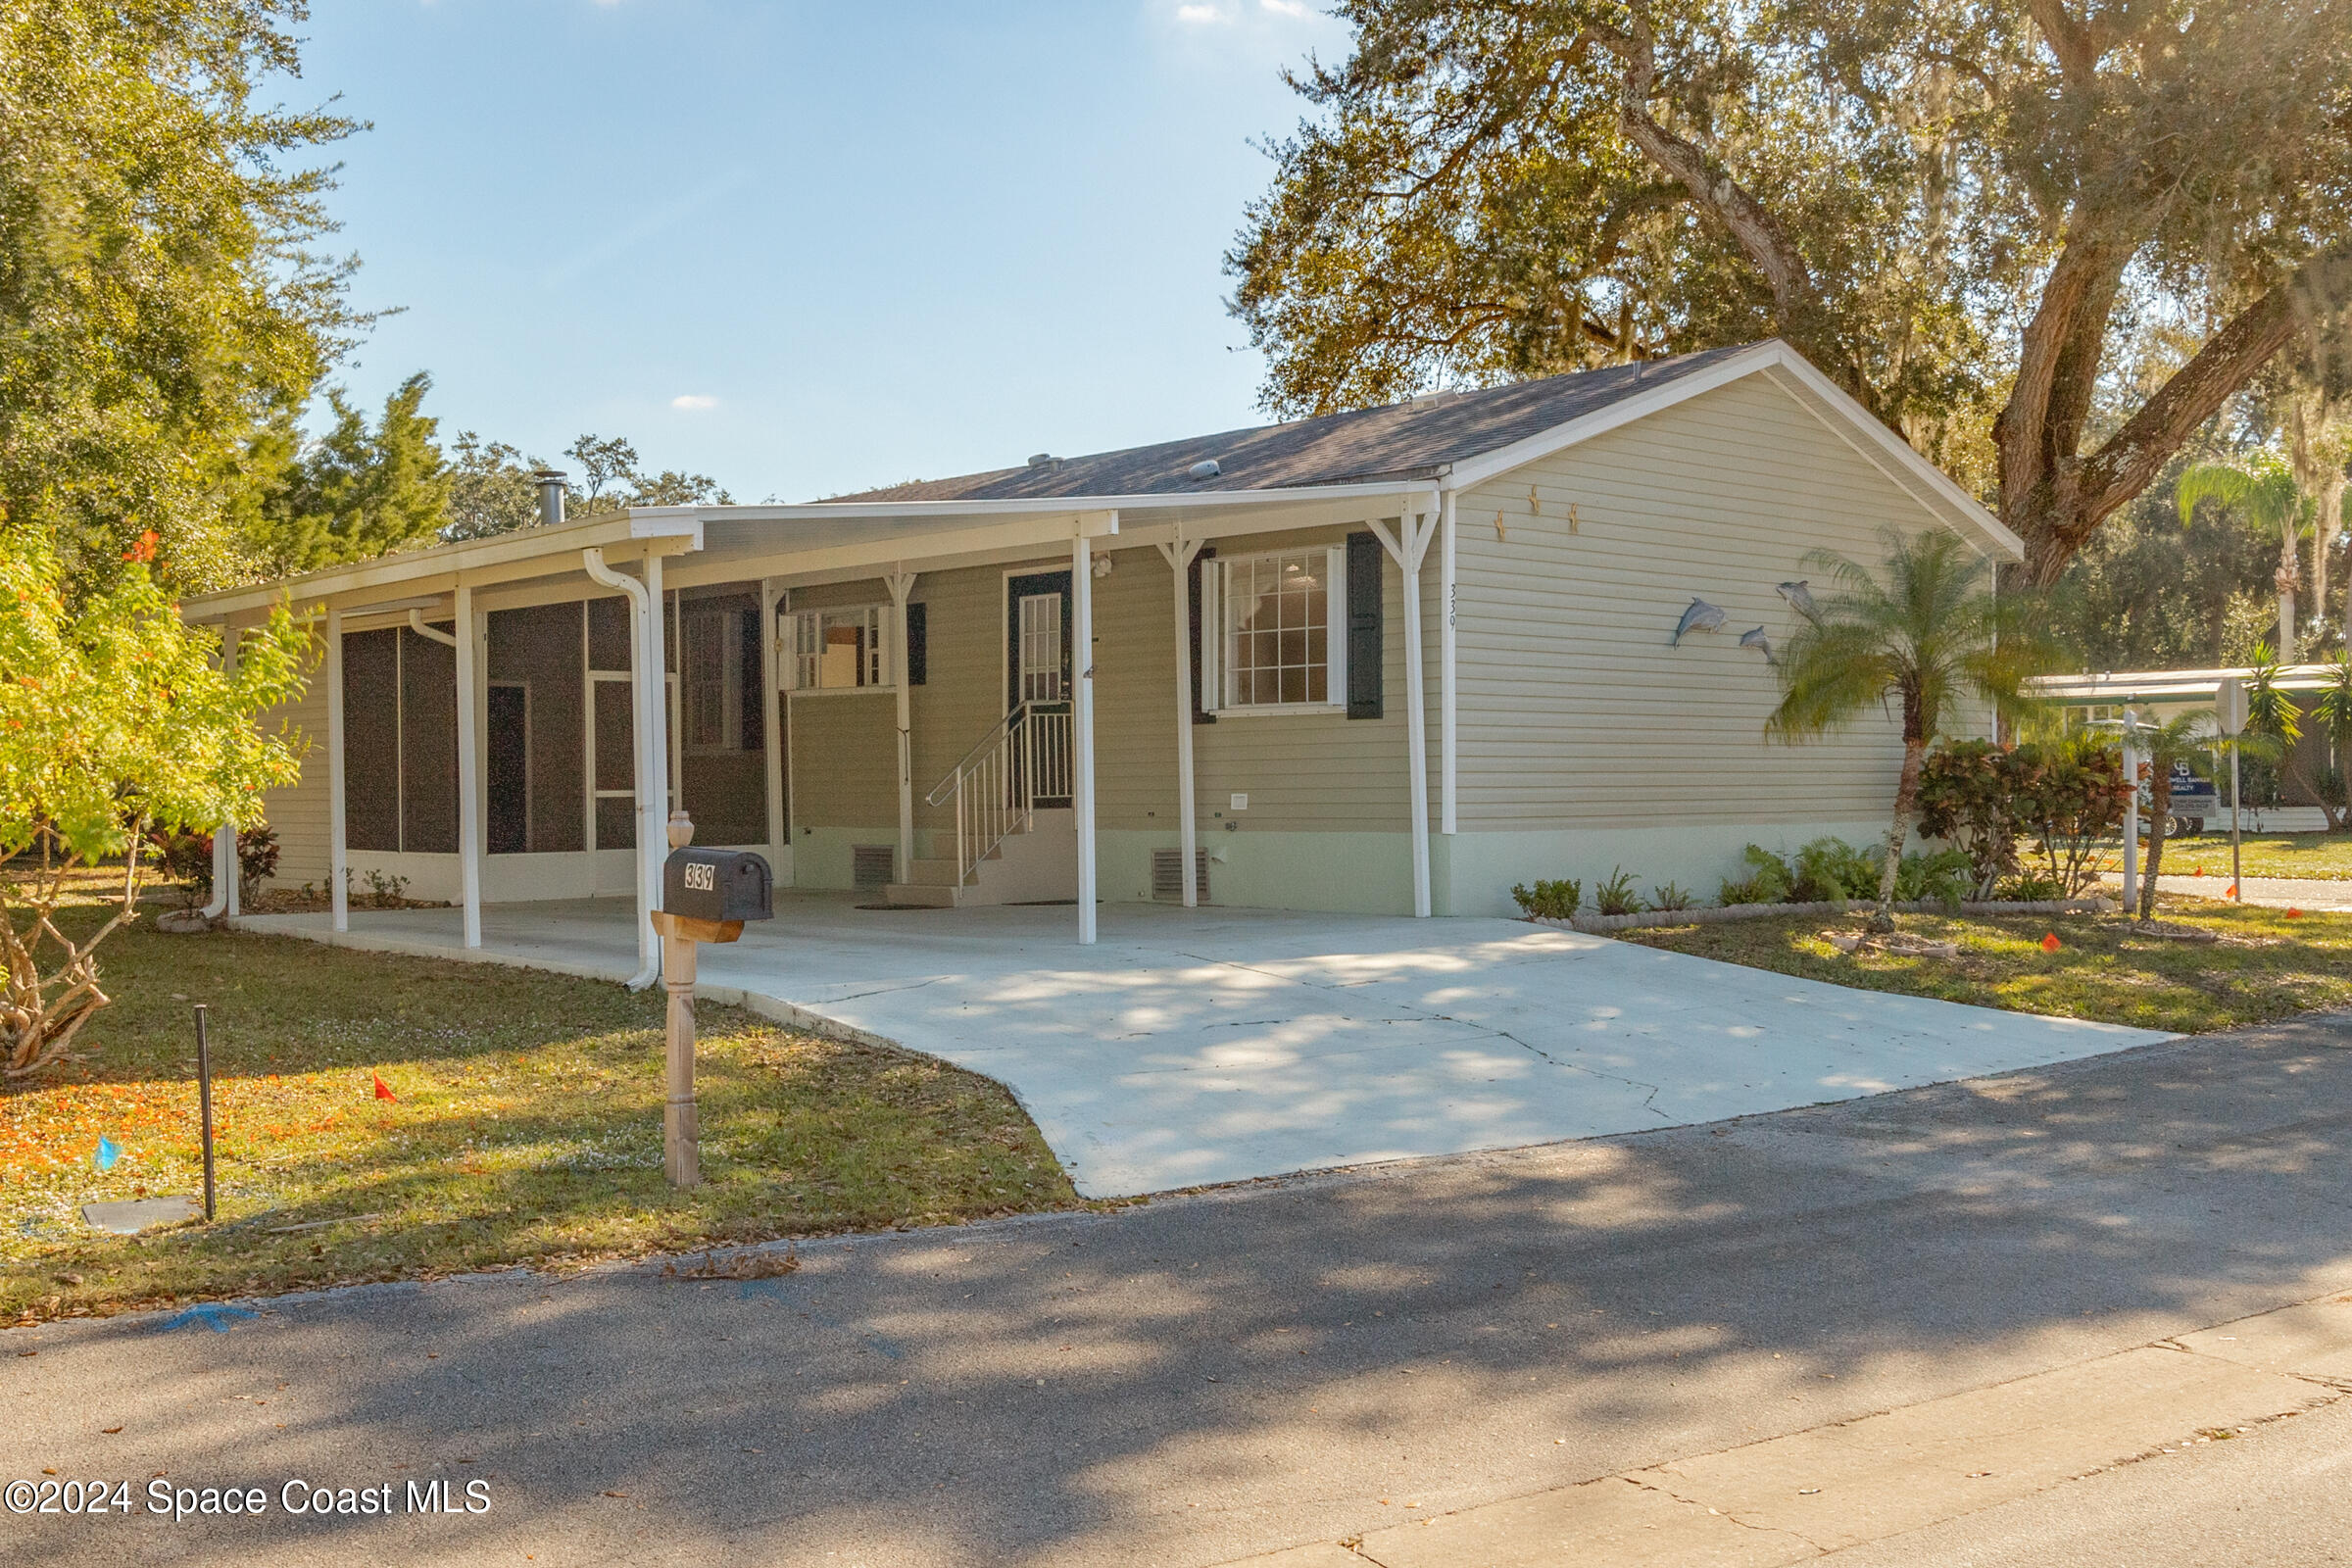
(1205, 1378)
(1195, 1047)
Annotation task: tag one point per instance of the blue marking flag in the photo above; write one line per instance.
(209, 1314)
(107, 1151)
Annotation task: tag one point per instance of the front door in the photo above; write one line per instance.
(1036, 656)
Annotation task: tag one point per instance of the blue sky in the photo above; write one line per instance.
(808, 248)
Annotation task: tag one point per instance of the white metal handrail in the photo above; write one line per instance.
(1027, 758)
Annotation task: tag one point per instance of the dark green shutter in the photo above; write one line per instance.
(1364, 557)
(918, 644)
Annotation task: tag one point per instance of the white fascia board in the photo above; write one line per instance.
(1963, 507)
(1472, 472)
(504, 556)
(1106, 508)
(1857, 426)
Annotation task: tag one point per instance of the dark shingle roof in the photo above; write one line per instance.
(1401, 441)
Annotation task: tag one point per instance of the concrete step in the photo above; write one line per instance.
(931, 896)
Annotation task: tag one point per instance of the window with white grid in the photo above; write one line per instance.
(839, 650)
(1277, 645)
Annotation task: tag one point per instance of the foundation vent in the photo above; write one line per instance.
(870, 865)
(1167, 876)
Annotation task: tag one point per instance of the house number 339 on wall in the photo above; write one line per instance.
(701, 878)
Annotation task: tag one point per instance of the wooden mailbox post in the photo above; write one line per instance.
(705, 897)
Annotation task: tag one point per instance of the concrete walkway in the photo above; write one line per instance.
(1210, 1046)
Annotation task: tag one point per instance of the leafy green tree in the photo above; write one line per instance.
(2045, 239)
(114, 719)
(2157, 589)
(358, 491)
(1924, 635)
(493, 488)
(608, 466)
(159, 294)
(2260, 490)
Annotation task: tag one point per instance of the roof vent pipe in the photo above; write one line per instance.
(1205, 469)
(1042, 459)
(551, 496)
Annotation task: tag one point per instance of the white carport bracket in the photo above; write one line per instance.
(1407, 544)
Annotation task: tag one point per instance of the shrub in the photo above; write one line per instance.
(1828, 869)
(1945, 878)
(1767, 880)
(1616, 896)
(1550, 901)
(186, 860)
(2069, 802)
(1667, 895)
(2031, 887)
(1969, 795)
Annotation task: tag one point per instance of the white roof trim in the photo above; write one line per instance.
(1422, 492)
(1857, 426)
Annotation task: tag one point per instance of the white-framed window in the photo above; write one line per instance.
(1275, 632)
(847, 649)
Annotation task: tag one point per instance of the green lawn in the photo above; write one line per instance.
(527, 1129)
(2265, 965)
(2306, 855)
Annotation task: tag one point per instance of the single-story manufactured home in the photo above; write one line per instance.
(1394, 659)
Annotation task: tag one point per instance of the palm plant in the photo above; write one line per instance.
(2188, 738)
(2334, 710)
(2262, 492)
(2275, 722)
(1927, 636)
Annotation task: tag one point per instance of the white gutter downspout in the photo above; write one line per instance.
(652, 838)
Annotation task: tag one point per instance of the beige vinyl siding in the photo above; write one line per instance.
(1316, 773)
(1574, 710)
(1302, 771)
(299, 812)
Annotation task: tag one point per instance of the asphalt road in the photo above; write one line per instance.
(1204, 1378)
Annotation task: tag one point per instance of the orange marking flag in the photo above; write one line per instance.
(2050, 942)
(383, 1090)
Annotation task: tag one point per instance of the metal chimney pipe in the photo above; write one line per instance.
(551, 496)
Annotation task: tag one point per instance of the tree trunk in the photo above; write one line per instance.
(2160, 810)
(1906, 794)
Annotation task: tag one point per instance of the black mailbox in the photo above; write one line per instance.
(717, 885)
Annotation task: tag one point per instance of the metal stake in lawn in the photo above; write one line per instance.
(203, 1105)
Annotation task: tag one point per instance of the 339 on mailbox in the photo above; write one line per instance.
(717, 885)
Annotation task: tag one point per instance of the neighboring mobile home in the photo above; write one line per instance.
(1389, 660)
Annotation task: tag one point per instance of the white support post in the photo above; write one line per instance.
(469, 767)
(1082, 633)
(1449, 602)
(901, 584)
(1181, 554)
(338, 852)
(1407, 547)
(772, 725)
